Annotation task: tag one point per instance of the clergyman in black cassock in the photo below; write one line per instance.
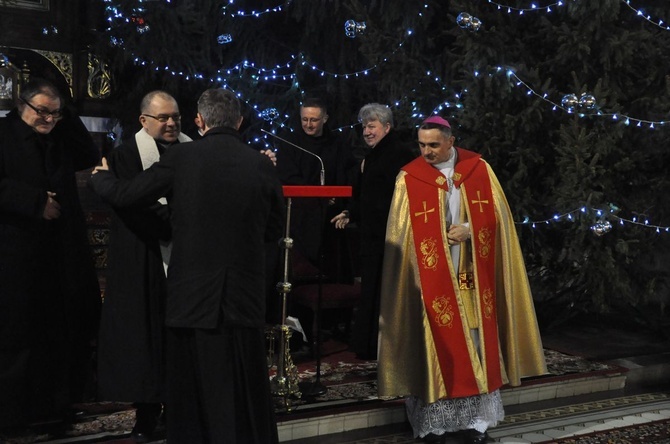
(131, 363)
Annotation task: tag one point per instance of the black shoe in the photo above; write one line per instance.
(139, 437)
(474, 437)
(146, 420)
(75, 415)
(54, 429)
(432, 438)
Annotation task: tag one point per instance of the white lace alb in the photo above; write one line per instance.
(451, 415)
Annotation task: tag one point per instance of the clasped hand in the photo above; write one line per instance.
(51, 208)
(102, 167)
(341, 220)
(457, 234)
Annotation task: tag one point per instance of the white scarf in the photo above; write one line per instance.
(148, 150)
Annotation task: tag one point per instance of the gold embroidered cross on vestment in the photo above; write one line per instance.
(479, 201)
(424, 213)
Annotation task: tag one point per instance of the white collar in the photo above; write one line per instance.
(449, 163)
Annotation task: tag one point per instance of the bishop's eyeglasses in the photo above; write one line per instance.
(163, 118)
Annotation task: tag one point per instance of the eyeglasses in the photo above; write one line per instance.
(44, 113)
(163, 118)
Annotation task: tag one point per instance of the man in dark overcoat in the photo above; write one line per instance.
(226, 202)
(314, 239)
(49, 293)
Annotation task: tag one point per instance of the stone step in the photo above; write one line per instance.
(647, 370)
(393, 412)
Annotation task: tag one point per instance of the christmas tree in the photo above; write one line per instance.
(566, 99)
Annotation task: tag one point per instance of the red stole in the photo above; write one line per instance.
(439, 285)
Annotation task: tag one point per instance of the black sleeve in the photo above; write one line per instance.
(152, 222)
(276, 220)
(354, 202)
(141, 191)
(17, 197)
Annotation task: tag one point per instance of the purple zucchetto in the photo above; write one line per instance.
(437, 120)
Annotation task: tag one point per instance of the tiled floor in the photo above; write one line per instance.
(538, 413)
(536, 422)
(330, 418)
(581, 418)
(534, 426)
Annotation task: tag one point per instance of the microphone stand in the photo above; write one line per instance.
(322, 178)
(313, 389)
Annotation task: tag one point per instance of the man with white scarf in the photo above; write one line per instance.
(131, 355)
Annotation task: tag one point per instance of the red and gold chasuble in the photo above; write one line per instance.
(440, 289)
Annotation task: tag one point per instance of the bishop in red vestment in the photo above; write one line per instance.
(457, 320)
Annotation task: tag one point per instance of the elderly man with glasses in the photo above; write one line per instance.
(49, 293)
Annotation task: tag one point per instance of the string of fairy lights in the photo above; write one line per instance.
(532, 8)
(287, 72)
(590, 111)
(647, 17)
(602, 224)
(275, 73)
(240, 13)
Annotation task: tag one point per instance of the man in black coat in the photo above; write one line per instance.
(297, 167)
(226, 202)
(49, 293)
(372, 194)
(131, 365)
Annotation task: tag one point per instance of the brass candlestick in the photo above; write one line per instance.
(285, 382)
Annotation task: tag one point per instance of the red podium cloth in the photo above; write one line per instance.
(316, 191)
